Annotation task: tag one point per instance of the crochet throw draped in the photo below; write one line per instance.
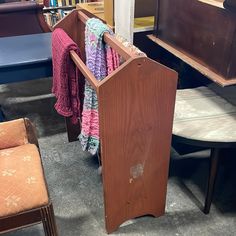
(101, 60)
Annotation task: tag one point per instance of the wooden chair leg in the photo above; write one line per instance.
(214, 160)
(48, 220)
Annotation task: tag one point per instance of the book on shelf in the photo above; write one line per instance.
(59, 3)
(62, 3)
(57, 9)
(53, 17)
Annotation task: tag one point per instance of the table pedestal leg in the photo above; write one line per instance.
(214, 160)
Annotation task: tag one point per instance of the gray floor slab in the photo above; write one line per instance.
(76, 188)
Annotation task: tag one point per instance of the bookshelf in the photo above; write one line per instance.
(139, 19)
(55, 10)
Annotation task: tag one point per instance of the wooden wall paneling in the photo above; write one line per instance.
(136, 106)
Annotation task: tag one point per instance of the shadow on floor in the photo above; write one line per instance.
(35, 102)
(76, 188)
(192, 172)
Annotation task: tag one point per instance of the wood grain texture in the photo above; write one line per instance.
(203, 30)
(136, 106)
(194, 63)
(84, 70)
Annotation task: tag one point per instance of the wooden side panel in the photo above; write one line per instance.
(136, 107)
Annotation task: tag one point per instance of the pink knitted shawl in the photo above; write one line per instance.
(65, 76)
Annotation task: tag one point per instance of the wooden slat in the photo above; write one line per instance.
(84, 70)
(194, 63)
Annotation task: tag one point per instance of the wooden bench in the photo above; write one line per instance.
(206, 117)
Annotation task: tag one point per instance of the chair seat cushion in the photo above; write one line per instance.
(21, 180)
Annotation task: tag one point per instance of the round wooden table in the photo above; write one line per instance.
(206, 117)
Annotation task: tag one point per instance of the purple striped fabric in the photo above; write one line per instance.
(101, 60)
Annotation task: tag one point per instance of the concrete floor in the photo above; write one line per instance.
(76, 188)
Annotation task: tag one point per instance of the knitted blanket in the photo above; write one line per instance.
(101, 60)
(65, 76)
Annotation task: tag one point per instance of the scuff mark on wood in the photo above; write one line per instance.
(136, 171)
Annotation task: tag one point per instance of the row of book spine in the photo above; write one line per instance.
(61, 3)
(53, 17)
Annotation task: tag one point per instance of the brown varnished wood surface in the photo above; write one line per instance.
(20, 220)
(136, 105)
(205, 31)
(194, 63)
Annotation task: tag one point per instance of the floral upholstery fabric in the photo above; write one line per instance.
(12, 134)
(21, 180)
